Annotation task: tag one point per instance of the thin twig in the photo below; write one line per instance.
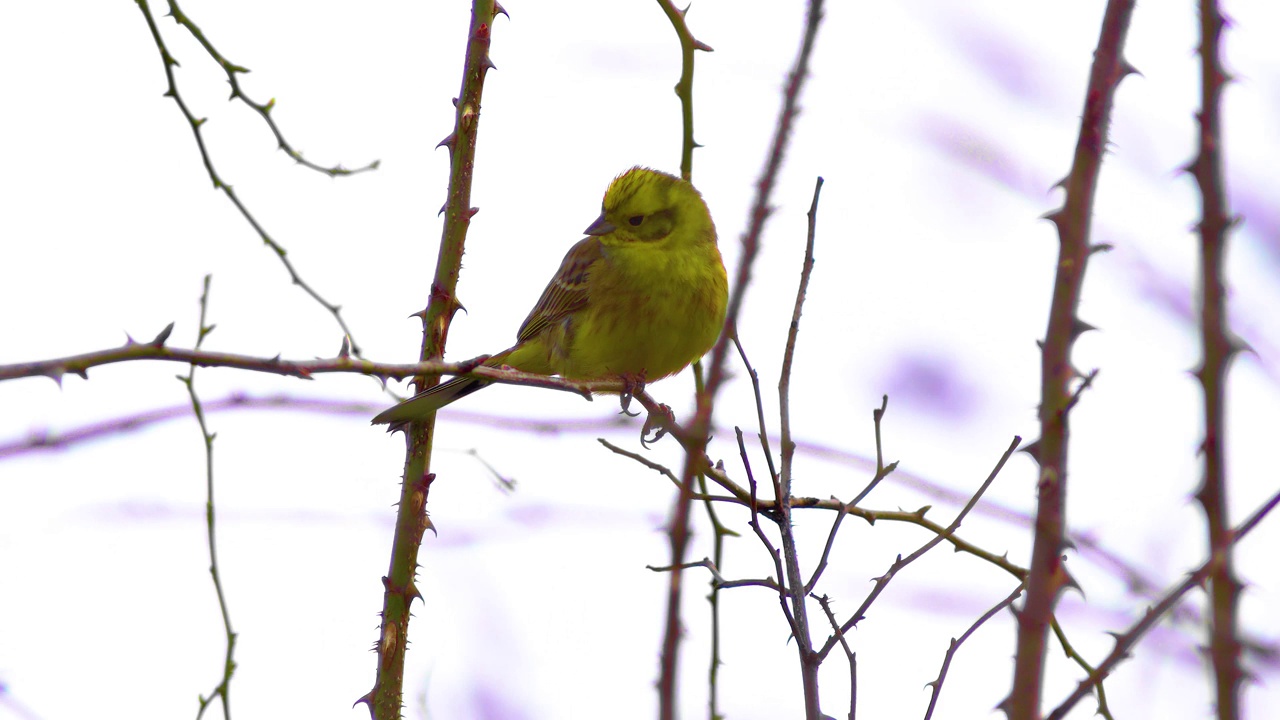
(849, 654)
(774, 554)
(763, 435)
(900, 562)
(882, 471)
(957, 642)
(1067, 648)
(796, 587)
(223, 688)
(197, 124)
(264, 110)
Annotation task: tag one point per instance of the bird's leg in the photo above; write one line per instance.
(631, 383)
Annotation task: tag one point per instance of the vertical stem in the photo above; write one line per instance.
(386, 697)
(1047, 575)
(795, 583)
(1224, 642)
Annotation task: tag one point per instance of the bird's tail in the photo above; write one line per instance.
(430, 400)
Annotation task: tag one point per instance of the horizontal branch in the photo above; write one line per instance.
(133, 351)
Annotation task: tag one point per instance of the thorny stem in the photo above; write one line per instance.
(1215, 222)
(385, 699)
(1047, 575)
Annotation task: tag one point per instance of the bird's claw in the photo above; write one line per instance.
(631, 384)
(659, 423)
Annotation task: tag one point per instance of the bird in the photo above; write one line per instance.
(641, 297)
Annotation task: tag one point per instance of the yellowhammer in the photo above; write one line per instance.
(639, 298)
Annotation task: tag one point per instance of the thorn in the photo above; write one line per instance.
(129, 341)
(442, 208)
(923, 509)
(1239, 345)
(421, 314)
(163, 336)
(1127, 69)
(471, 212)
(685, 11)
(488, 63)
(345, 350)
(499, 10)
(1057, 217)
(699, 45)
(1080, 327)
(1032, 449)
(450, 140)
(1101, 248)
(455, 102)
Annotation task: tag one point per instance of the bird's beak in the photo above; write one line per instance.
(599, 227)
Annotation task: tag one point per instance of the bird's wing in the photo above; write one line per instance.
(567, 291)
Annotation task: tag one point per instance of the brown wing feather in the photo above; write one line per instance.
(567, 291)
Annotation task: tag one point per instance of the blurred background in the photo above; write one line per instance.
(940, 131)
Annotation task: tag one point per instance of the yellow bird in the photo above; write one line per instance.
(638, 299)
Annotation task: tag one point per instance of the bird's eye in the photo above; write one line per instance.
(635, 220)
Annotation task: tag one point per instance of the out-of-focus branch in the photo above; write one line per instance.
(1218, 350)
(695, 449)
(1048, 576)
(385, 699)
(1126, 640)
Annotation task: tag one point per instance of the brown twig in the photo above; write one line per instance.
(849, 654)
(901, 562)
(882, 471)
(196, 125)
(957, 642)
(1048, 577)
(156, 349)
(795, 585)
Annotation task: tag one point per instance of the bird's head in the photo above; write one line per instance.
(644, 205)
